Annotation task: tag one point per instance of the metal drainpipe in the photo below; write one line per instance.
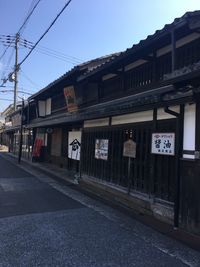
(178, 154)
(153, 158)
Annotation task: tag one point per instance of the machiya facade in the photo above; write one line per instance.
(128, 124)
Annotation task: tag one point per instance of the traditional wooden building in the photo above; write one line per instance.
(128, 123)
(54, 120)
(149, 94)
(15, 128)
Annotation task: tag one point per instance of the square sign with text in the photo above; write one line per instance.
(163, 144)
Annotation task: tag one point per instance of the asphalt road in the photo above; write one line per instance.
(46, 223)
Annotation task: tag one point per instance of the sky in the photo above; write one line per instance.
(87, 29)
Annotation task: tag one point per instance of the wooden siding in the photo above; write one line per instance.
(115, 169)
(58, 102)
(190, 197)
(150, 72)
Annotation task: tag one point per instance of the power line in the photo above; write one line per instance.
(8, 64)
(65, 55)
(11, 87)
(44, 50)
(6, 49)
(28, 16)
(23, 25)
(30, 45)
(30, 80)
(51, 52)
(6, 99)
(58, 57)
(19, 91)
(53, 22)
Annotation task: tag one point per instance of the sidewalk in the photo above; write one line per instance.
(63, 176)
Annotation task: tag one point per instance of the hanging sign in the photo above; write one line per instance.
(163, 144)
(37, 147)
(129, 149)
(16, 119)
(70, 98)
(101, 149)
(74, 145)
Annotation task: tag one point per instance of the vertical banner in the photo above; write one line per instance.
(37, 147)
(70, 98)
(74, 145)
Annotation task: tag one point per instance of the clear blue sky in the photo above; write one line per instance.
(87, 29)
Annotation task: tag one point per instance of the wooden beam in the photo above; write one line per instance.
(117, 72)
(148, 58)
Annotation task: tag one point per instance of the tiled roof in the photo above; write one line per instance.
(157, 34)
(85, 67)
(93, 66)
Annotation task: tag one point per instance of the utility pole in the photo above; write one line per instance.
(16, 71)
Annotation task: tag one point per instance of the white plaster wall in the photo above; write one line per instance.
(96, 123)
(133, 117)
(189, 129)
(162, 115)
(48, 106)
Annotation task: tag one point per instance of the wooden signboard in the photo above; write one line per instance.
(129, 149)
(163, 144)
(70, 98)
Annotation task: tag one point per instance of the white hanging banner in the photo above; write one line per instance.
(163, 144)
(74, 145)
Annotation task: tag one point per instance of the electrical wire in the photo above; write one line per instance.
(62, 54)
(20, 29)
(47, 30)
(51, 52)
(11, 87)
(7, 49)
(8, 65)
(30, 80)
(53, 22)
(29, 44)
(30, 12)
(11, 91)
(6, 99)
(58, 57)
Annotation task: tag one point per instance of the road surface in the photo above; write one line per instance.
(44, 222)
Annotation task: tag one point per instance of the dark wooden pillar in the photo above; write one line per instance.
(99, 90)
(153, 156)
(173, 43)
(154, 74)
(123, 79)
